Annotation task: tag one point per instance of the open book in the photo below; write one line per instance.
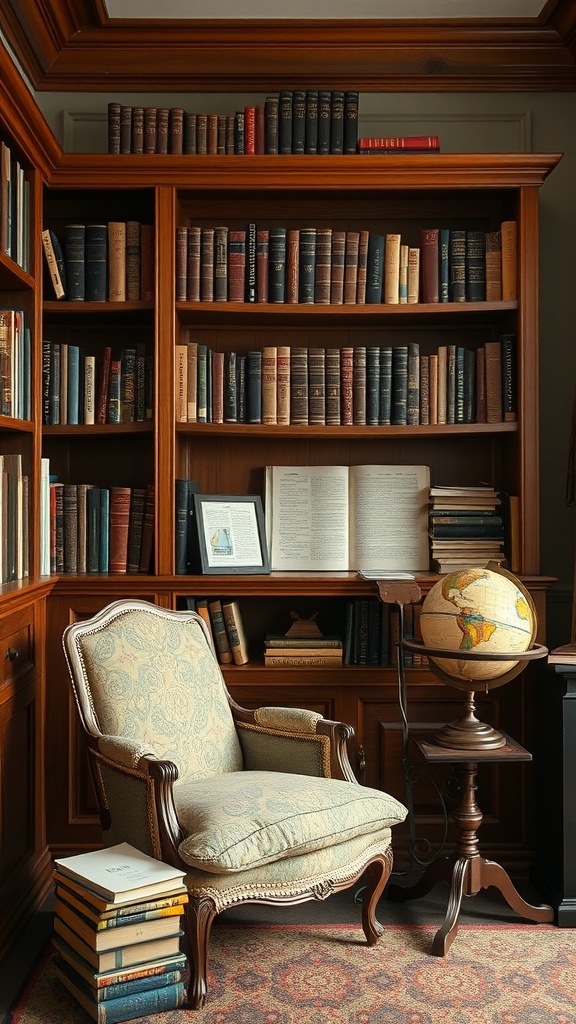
(328, 518)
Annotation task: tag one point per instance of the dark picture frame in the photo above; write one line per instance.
(231, 534)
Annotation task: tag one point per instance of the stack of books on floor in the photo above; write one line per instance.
(291, 651)
(118, 933)
(465, 527)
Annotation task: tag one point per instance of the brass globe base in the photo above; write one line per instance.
(468, 733)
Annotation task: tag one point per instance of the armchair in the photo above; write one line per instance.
(256, 806)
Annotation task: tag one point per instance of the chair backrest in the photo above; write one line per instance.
(150, 675)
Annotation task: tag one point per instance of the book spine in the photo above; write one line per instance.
(493, 258)
(125, 128)
(475, 266)
(193, 263)
(323, 266)
(270, 384)
(176, 130)
(317, 386)
(150, 129)
(235, 631)
(254, 386)
(311, 125)
(307, 266)
(429, 262)
(375, 268)
(298, 121)
(359, 385)
(444, 268)
(217, 387)
(93, 530)
(221, 641)
(338, 268)
(271, 124)
(413, 389)
(347, 386)
(283, 385)
(399, 384)
(96, 268)
(351, 267)
(351, 101)
(392, 269)
(162, 129)
(52, 264)
(324, 109)
(230, 387)
(119, 526)
(299, 385)
(70, 529)
(457, 247)
(220, 264)
(236, 266)
(75, 260)
(133, 260)
(128, 386)
(262, 265)
(493, 359)
(189, 132)
(147, 546)
(333, 414)
(117, 261)
(389, 142)
(277, 264)
(292, 266)
(385, 403)
(509, 243)
(104, 539)
(413, 275)
(337, 122)
(114, 128)
(207, 265)
(285, 121)
(509, 377)
(147, 262)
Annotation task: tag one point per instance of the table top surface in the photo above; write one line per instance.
(511, 751)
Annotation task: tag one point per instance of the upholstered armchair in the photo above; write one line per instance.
(256, 806)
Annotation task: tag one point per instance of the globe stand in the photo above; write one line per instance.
(468, 732)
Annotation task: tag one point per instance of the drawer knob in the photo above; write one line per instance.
(11, 654)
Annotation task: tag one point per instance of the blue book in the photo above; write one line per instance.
(96, 263)
(104, 542)
(75, 261)
(373, 386)
(254, 386)
(73, 384)
(93, 506)
(137, 1004)
(120, 989)
(375, 268)
(385, 385)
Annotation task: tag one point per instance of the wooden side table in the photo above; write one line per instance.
(467, 870)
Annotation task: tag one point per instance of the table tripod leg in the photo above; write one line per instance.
(494, 874)
(447, 933)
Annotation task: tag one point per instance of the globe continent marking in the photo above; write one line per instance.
(477, 610)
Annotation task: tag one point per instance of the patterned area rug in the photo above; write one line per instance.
(508, 974)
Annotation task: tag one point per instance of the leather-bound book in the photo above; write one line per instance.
(251, 275)
(457, 249)
(509, 242)
(285, 121)
(493, 357)
(385, 405)
(119, 526)
(221, 263)
(93, 502)
(392, 269)
(283, 384)
(125, 128)
(311, 122)
(128, 386)
(192, 379)
(71, 529)
(249, 130)
(147, 546)
(359, 386)
(235, 630)
(75, 261)
(271, 120)
(262, 264)
(162, 129)
(181, 383)
(375, 268)
(150, 129)
(299, 385)
(193, 259)
(292, 265)
(362, 266)
(298, 121)
(351, 99)
(190, 133)
(413, 388)
(212, 134)
(207, 265)
(413, 275)
(132, 260)
(403, 275)
(469, 386)
(307, 266)
(270, 384)
(337, 122)
(493, 257)
(475, 266)
(236, 265)
(347, 385)
(230, 387)
(317, 387)
(323, 266)
(220, 634)
(451, 385)
(218, 387)
(277, 264)
(135, 529)
(424, 389)
(96, 270)
(181, 263)
(137, 129)
(176, 130)
(509, 343)
(338, 267)
(442, 383)
(433, 387)
(372, 385)
(333, 412)
(202, 134)
(221, 135)
(239, 132)
(259, 129)
(444, 263)
(254, 386)
(429, 265)
(117, 261)
(114, 127)
(324, 110)
(351, 267)
(399, 384)
(103, 385)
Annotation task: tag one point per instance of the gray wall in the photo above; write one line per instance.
(487, 122)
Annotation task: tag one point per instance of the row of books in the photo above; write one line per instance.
(15, 365)
(14, 208)
(118, 950)
(291, 121)
(360, 385)
(79, 388)
(112, 262)
(466, 527)
(324, 266)
(14, 519)
(225, 625)
(100, 529)
(372, 632)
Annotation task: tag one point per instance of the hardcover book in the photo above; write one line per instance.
(347, 518)
(137, 129)
(121, 873)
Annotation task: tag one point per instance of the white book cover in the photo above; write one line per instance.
(118, 871)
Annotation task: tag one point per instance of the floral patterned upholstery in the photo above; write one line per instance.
(155, 682)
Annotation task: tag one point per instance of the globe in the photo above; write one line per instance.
(478, 610)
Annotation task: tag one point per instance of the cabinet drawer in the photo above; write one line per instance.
(16, 645)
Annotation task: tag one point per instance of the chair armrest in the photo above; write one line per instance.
(135, 792)
(293, 740)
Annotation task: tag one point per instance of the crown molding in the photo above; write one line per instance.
(74, 46)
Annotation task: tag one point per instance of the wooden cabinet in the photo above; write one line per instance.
(382, 194)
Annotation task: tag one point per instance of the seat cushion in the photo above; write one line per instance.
(241, 820)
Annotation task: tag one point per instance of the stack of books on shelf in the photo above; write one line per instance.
(303, 646)
(323, 265)
(117, 933)
(111, 262)
(399, 144)
(466, 527)
(291, 121)
(224, 622)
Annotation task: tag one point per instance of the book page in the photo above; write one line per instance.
(389, 517)
(307, 514)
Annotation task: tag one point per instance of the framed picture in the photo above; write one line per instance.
(231, 534)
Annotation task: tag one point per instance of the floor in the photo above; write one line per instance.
(343, 908)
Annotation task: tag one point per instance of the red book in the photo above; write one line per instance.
(431, 142)
(429, 265)
(119, 523)
(236, 265)
(250, 130)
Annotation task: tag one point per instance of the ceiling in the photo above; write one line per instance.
(205, 46)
